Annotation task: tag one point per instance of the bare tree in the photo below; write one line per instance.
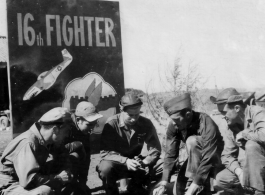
(174, 82)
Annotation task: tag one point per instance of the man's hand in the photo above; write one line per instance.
(194, 189)
(160, 190)
(66, 176)
(143, 163)
(132, 165)
(239, 139)
(239, 173)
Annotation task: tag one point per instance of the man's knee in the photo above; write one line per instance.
(228, 181)
(191, 142)
(218, 183)
(42, 190)
(77, 149)
(252, 147)
(105, 168)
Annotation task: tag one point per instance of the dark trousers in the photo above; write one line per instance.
(111, 171)
(71, 162)
(253, 171)
(189, 168)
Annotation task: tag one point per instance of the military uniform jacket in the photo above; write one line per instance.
(254, 124)
(119, 142)
(74, 143)
(212, 144)
(23, 160)
(233, 156)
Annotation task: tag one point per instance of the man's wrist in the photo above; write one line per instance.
(58, 178)
(163, 183)
(238, 171)
(145, 162)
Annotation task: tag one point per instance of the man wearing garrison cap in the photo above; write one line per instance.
(22, 166)
(204, 146)
(122, 141)
(250, 121)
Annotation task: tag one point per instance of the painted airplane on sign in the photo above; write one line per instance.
(48, 78)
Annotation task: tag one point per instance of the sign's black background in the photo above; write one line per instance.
(28, 62)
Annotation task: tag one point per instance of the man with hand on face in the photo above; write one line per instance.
(82, 124)
(23, 163)
(250, 121)
(204, 146)
(122, 141)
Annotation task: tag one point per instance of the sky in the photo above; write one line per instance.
(226, 38)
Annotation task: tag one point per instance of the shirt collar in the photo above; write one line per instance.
(35, 128)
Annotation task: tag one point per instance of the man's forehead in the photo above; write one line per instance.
(175, 116)
(221, 107)
(228, 108)
(133, 109)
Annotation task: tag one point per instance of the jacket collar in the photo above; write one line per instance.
(247, 113)
(74, 120)
(35, 128)
(247, 116)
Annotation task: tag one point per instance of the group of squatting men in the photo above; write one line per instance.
(53, 156)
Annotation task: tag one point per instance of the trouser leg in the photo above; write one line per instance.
(189, 168)
(69, 162)
(228, 181)
(16, 189)
(194, 150)
(156, 171)
(254, 169)
(181, 180)
(109, 173)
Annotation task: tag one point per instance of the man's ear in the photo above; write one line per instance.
(55, 130)
(78, 120)
(188, 114)
(237, 108)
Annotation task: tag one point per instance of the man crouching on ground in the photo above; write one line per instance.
(122, 141)
(23, 161)
(82, 123)
(204, 146)
(250, 121)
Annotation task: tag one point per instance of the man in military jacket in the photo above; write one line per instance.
(250, 136)
(233, 156)
(122, 141)
(22, 167)
(82, 123)
(204, 146)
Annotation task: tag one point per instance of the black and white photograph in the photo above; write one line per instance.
(133, 97)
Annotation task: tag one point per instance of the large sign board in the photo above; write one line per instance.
(62, 52)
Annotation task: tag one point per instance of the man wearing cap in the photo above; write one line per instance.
(122, 141)
(22, 166)
(204, 146)
(83, 122)
(232, 156)
(220, 102)
(250, 121)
